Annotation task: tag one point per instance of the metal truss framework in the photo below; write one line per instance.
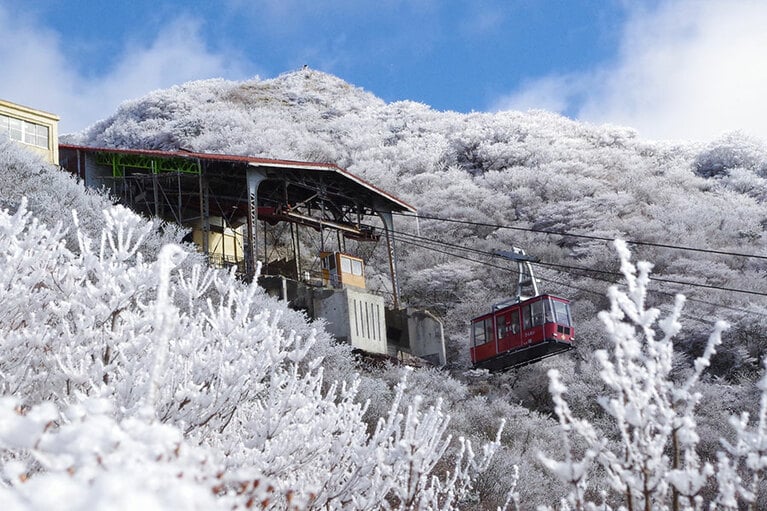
(192, 188)
(120, 162)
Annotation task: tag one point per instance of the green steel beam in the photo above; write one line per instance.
(120, 161)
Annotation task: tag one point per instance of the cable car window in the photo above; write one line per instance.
(526, 318)
(562, 311)
(346, 265)
(503, 325)
(537, 310)
(356, 267)
(478, 333)
(514, 326)
(488, 329)
(548, 312)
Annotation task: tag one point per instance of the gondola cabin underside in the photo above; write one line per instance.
(522, 333)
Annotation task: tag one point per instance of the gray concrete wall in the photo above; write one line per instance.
(94, 174)
(416, 332)
(334, 308)
(367, 321)
(427, 337)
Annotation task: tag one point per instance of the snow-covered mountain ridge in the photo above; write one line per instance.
(308, 115)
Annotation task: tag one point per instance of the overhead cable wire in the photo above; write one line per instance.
(672, 281)
(590, 270)
(584, 236)
(568, 269)
(657, 279)
(491, 265)
(538, 277)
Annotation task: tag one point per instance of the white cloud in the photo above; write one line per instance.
(686, 70)
(554, 93)
(37, 73)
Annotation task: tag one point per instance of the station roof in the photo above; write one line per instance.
(325, 177)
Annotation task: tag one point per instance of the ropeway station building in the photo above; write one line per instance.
(232, 204)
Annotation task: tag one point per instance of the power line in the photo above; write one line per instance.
(571, 286)
(669, 281)
(656, 279)
(491, 265)
(568, 269)
(585, 236)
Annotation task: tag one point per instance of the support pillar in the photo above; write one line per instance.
(388, 222)
(254, 178)
(296, 249)
(294, 238)
(156, 190)
(204, 213)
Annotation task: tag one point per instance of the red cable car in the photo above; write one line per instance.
(523, 330)
(522, 333)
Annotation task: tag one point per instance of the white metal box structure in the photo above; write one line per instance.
(356, 317)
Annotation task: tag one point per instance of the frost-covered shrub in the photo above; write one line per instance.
(657, 462)
(143, 359)
(733, 150)
(81, 458)
(745, 182)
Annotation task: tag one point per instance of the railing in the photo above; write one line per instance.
(226, 261)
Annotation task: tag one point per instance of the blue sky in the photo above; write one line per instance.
(672, 69)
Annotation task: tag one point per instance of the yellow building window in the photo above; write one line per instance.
(24, 131)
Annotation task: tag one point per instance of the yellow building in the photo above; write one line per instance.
(34, 129)
(341, 270)
(225, 244)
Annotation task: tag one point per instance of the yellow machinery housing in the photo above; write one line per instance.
(341, 270)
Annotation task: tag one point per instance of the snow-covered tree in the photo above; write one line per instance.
(195, 365)
(653, 462)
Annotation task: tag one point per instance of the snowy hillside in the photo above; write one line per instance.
(527, 170)
(131, 375)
